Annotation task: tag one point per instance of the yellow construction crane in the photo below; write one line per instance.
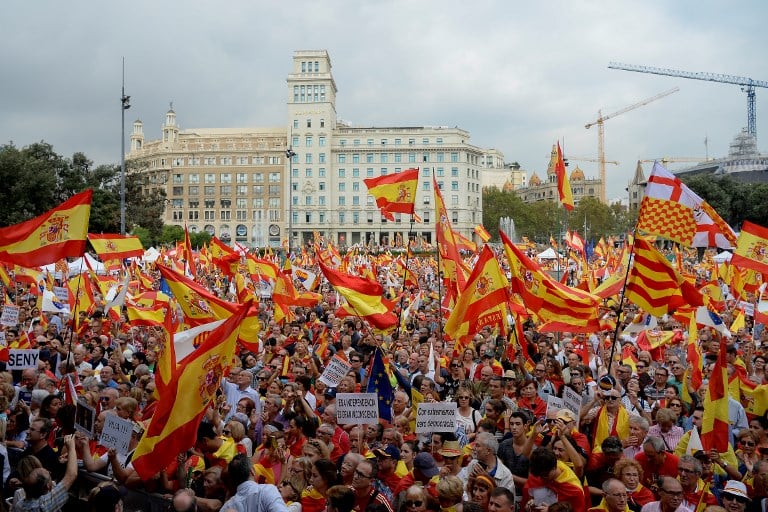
(601, 132)
(582, 159)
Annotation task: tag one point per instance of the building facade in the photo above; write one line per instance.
(508, 177)
(256, 185)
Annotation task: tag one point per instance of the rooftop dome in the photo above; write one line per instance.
(535, 181)
(577, 174)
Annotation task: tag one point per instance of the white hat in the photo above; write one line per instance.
(128, 355)
(736, 488)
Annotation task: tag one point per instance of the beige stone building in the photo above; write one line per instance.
(236, 182)
(508, 177)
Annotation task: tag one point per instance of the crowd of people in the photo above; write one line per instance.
(272, 440)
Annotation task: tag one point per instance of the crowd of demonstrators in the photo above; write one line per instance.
(272, 440)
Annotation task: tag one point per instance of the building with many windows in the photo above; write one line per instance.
(233, 182)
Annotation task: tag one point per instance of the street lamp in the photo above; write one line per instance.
(125, 102)
(289, 154)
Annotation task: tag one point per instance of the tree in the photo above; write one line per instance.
(29, 181)
(498, 204)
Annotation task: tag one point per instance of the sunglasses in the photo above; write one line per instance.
(734, 498)
(640, 366)
(610, 398)
(226, 432)
(455, 366)
(413, 503)
(747, 443)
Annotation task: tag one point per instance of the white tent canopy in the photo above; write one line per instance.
(723, 257)
(549, 254)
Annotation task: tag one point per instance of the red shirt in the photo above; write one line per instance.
(651, 472)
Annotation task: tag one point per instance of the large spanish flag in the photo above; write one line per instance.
(364, 297)
(752, 248)
(452, 265)
(563, 184)
(655, 286)
(173, 428)
(482, 302)
(59, 233)
(715, 423)
(394, 193)
(116, 246)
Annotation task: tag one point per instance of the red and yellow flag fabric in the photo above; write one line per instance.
(395, 193)
(482, 302)
(654, 285)
(672, 210)
(364, 297)
(563, 184)
(173, 428)
(223, 256)
(453, 266)
(693, 354)
(56, 234)
(752, 248)
(187, 254)
(464, 243)
(714, 424)
(482, 233)
(116, 246)
(548, 299)
(261, 269)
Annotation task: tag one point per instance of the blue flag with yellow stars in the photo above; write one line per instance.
(379, 383)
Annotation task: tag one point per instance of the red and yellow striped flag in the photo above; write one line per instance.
(563, 184)
(482, 233)
(482, 302)
(714, 424)
(453, 266)
(395, 193)
(752, 248)
(58, 233)
(194, 383)
(655, 286)
(116, 246)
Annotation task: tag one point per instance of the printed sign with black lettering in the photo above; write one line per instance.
(85, 416)
(116, 433)
(436, 417)
(10, 315)
(335, 371)
(22, 359)
(357, 408)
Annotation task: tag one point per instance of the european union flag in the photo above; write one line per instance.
(379, 383)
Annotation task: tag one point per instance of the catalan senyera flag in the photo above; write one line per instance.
(395, 193)
(548, 299)
(173, 427)
(482, 302)
(752, 248)
(563, 184)
(482, 233)
(672, 210)
(654, 285)
(364, 297)
(714, 424)
(453, 266)
(116, 246)
(56, 234)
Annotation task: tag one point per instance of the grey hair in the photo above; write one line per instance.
(488, 440)
(640, 422)
(693, 460)
(611, 481)
(656, 442)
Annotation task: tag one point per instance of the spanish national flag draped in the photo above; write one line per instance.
(363, 296)
(482, 233)
(482, 302)
(116, 246)
(752, 248)
(394, 193)
(655, 286)
(173, 428)
(714, 424)
(551, 301)
(563, 184)
(58, 233)
(453, 266)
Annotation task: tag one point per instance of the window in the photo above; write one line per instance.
(274, 177)
(177, 178)
(258, 190)
(369, 172)
(226, 160)
(308, 173)
(242, 160)
(356, 158)
(322, 217)
(275, 160)
(383, 171)
(369, 200)
(194, 190)
(194, 204)
(454, 185)
(210, 178)
(308, 142)
(178, 162)
(425, 141)
(308, 158)
(369, 217)
(440, 157)
(342, 215)
(178, 191)
(355, 172)
(454, 201)
(226, 215)
(308, 217)
(342, 173)
(369, 142)
(226, 178)
(355, 217)
(342, 187)
(226, 190)
(440, 172)
(177, 203)
(295, 98)
(209, 160)
(454, 157)
(355, 186)
(321, 186)
(384, 158)
(295, 173)
(258, 160)
(455, 217)
(342, 158)
(321, 200)
(274, 190)
(295, 141)
(321, 172)
(411, 142)
(241, 190)
(342, 201)
(369, 158)
(321, 141)
(321, 158)
(241, 204)
(398, 158)
(257, 202)
(322, 98)
(425, 172)
(308, 200)
(274, 202)
(242, 177)
(425, 186)
(411, 158)
(356, 142)
(454, 172)
(309, 121)
(209, 190)
(194, 215)
(439, 140)
(194, 179)
(242, 215)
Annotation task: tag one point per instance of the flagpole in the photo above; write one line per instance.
(620, 309)
(74, 308)
(405, 278)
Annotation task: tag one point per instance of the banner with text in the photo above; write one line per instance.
(357, 408)
(436, 417)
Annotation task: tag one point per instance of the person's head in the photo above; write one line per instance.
(748, 441)
(543, 463)
(387, 458)
(494, 408)
(212, 481)
(323, 475)
(450, 490)
(348, 465)
(365, 473)
(39, 430)
(239, 469)
(315, 449)
(612, 448)
(496, 387)
(615, 495)
(415, 499)
(125, 407)
(340, 498)
(689, 469)
(50, 406)
(638, 427)
(519, 423)
(37, 483)
(108, 397)
(660, 377)
(291, 488)
(655, 450)
(479, 489)
(670, 493)
(501, 500)
(486, 447)
(527, 389)
(184, 500)
(408, 450)
(628, 471)
(697, 416)
(734, 496)
(666, 418)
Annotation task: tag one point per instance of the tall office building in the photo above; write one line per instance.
(323, 178)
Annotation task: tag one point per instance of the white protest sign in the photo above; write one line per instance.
(22, 359)
(572, 400)
(10, 315)
(116, 433)
(357, 408)
(554, 404)
(2, 338)
(85, 416)
(436, 417)
(62, 294)
(335, 371)
(748, 307)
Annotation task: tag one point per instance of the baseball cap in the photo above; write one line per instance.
(489, 353)
(389, 452)
(607, 383)
(330, 393)
(425, 463)
(510, 374)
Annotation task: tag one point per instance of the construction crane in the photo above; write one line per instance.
(675, 159)
(747, 84)
(583, 159)
(601, 132)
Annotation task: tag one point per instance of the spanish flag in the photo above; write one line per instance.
(395, 193)
(752, 248)
(173, 427)
(58, 233)
(714, 426)
(116, 246)
(453, 265)
(563, 184)
(482, 302)
(364, 297)
(482, 233)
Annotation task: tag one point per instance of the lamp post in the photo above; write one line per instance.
(125, 105)
(289, 154)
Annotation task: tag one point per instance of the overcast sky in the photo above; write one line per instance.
(517, 75)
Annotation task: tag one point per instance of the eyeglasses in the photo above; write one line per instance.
(640, 366)
(226, 432)
(686, 470)
(730, 497)
(355, 361)
(413, 503)
(455, 366)
(361, 475)
(610, 398)
(675, 494)
(675, 405)
(462, 398)
(747, 443)
(660, 374)
(103, 399)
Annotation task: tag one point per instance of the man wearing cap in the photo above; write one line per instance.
(453, 456)
(487, 462)
(389, 460)
(425, 471)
